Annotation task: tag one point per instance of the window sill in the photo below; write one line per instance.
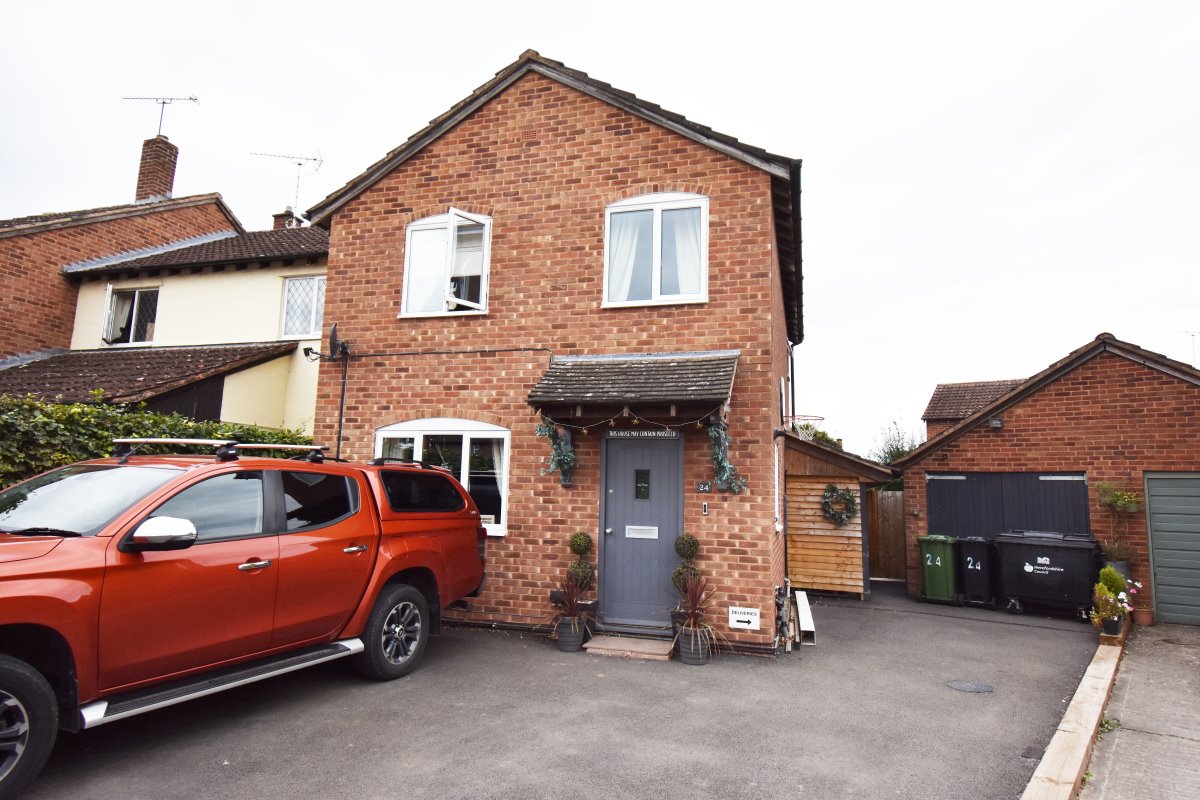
(147, 343)
(299, 337)
(431, 314)
(659, 302)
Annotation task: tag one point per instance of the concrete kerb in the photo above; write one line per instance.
(1059, 775)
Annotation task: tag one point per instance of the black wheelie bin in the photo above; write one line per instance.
(977, 571)
(1044, 568)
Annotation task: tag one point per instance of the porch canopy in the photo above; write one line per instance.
(669, 388)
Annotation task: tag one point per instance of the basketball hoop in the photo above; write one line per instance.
(804, 425)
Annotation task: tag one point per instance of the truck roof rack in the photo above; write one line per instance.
(226, 449)
(379, 462)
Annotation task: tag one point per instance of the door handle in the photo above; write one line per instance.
(250, 566)
(355, 548)
(608, 530)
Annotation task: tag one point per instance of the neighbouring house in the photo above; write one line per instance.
(1044, 454)
(553, 255)
(38, 302)
(211, 325)
(951, 403)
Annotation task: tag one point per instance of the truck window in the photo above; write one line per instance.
(229, 506)
(311, 499)
(420, 491)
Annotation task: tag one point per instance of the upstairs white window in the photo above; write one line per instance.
(131, 316)
(446, 264)
(656, 250)
(303, 306)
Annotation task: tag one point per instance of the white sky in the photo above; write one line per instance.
(987, 186)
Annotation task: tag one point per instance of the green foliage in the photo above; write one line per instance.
(36, 436)
(839, 505)
(682, 574)
(580, 544)
(1106, 605)
(1112, 580)
(582, 573)
(687, 546)
(562, 455)
(813, 433)
(896, 443)
(725, 473)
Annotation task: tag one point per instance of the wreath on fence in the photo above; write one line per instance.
(839, 505)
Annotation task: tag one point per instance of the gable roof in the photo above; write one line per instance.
(785, 172)
(132, 374)
(869, 471)
(272, 245)
(1104, 343)
(954, 401)
(645, 378)
(38, 223)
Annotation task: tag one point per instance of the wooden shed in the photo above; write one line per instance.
(822, 555)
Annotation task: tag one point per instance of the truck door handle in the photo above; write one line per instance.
(250, 566)
(356, 548)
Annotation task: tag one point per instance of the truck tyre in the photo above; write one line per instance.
(395, 634)
(28, 725)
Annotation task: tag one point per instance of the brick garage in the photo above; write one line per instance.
(542, 151)
(1111, 410)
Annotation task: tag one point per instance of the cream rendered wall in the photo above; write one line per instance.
(232, 306)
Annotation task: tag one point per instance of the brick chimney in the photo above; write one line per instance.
(284, 219)
(156, 175)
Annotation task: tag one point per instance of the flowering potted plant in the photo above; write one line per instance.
(1108, 609)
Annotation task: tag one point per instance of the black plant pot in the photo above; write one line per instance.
(1111, 626)
(694, 646)
(571, 633)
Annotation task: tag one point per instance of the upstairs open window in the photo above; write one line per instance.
(656, 250)
(131, 316)
(446, 264)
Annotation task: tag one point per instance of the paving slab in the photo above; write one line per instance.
(1155, 750)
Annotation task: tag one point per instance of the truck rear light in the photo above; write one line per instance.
(481, 543)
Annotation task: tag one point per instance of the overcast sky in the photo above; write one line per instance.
(987, 186)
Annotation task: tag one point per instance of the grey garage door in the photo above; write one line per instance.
(1174, 504)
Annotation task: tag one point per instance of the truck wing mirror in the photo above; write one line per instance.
(161, 533)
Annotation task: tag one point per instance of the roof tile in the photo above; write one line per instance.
(656, 378)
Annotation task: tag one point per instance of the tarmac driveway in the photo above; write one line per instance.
(494, 714)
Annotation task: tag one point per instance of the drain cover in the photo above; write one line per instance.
(970, 686)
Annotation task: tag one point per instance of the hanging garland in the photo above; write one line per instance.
(562, 455)
(725, 473)
(839, 505)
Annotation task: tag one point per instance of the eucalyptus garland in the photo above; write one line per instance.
(562, 454)
(839, 505)
(726, 474)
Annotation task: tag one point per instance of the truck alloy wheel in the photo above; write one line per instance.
(28, 724)
(395, 635)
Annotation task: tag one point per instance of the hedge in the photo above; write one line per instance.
(36, 436)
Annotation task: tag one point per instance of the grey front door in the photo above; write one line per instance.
(1174, 505)
(642, 513)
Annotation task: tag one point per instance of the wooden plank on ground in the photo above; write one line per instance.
(808, 630)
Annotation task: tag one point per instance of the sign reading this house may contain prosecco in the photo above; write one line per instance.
(642, 434)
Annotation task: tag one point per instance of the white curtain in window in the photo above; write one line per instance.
(683, 225)
(622, 253)
(425, 284)
(121, 321)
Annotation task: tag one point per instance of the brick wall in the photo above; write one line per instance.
(1111, 417)
(935, 427)
(39, 303)
(544, 161)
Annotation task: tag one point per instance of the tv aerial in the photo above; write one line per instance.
(163, 102)
(300, 161)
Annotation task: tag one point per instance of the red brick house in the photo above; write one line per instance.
(555, 251)
(1037, 457)
(951, 403)
(37, 298)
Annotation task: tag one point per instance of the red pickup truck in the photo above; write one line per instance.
(136, 582)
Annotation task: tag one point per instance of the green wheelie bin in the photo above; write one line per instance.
(937, 569)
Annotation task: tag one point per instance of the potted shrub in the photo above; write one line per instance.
(582, 570)
(696, 640)
(572, 623)
(1108, 609)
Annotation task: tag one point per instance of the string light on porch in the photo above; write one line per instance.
(634, 419)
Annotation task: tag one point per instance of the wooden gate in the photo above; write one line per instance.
(885, 534)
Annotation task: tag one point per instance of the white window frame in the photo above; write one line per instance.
(110, 293)
(451, 221)
(314, 328)
(469, 429)
(658, 203)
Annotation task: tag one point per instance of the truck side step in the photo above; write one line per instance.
(169, 694)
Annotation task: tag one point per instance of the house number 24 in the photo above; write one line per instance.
(930, 561)
(973, 564)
